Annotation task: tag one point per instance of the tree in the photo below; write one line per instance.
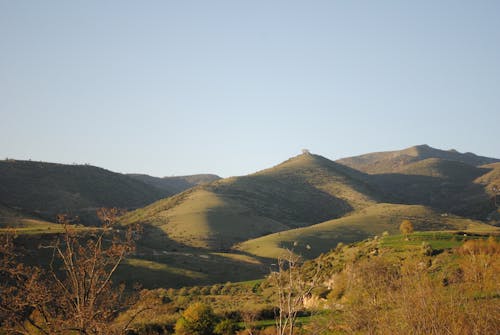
(197, 319)
(406, 228)
(75, 295)
(292, 286)
(225, 327)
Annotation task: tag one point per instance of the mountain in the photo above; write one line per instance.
(301, 191)
(47, 189)
(230, 229)
(447, 181)
(177, 184)
(396, 161)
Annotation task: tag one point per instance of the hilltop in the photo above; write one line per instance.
(301, 191)
(447, 181)
(397, 161)
(47, 189)
(307, 202)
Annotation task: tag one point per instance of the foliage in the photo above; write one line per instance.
(197, 319)
(225, 327)
(406, 228)
(404, 292)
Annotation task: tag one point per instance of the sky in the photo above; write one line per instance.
(232, 87)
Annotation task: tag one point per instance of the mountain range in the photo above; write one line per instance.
(192, 224)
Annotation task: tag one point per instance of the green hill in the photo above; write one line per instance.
(304, 190)
(316, 239)
(396, 161)
(448, 181)
(47, 189)
(442, 168)
(177, 184)
(447, 186)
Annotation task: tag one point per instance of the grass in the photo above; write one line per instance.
(300, 321)
(304, 190)
(395, 161)
(48, 189)
(314, 240)
(437, 240)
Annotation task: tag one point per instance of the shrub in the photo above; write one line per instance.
(426, 249)
(197, 319)
(406, 228)
(225, 327)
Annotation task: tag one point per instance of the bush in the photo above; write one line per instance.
(225, 327)
(197, 319)
(426, 249)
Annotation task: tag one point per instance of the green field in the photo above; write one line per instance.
(314, 240)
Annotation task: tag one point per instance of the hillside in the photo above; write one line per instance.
(396, 161)
(447, 186)
(47, 189)
(12, 219)
(304, 190)
(316, 239)
(177, 184)
(445, 180)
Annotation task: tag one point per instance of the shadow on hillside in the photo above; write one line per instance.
(460, 196)
(160, 261)
(288, 198)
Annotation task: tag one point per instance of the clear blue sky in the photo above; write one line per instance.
(232, 87)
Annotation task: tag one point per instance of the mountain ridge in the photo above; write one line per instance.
(392, 161)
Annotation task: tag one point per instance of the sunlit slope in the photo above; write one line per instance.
(449, 186)
(491, 183)
(12, 219)
(491, 179)
(396, 161)
(443, 168)
(304, 190)
(313, 240)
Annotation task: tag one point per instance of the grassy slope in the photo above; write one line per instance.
(11, 219)
(394, 161)
(166, 306)
(314, 240)
(47, 189)
(304, 190)
(178, 184)
(450, 186)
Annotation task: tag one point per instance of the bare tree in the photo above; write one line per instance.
(76, 294)
(292, 287)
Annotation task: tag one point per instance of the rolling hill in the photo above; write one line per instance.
(316, 239)
(177, 184)
(445, 180)
(46, 189)
(308, 202)
(301, 191)
(397, 161)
